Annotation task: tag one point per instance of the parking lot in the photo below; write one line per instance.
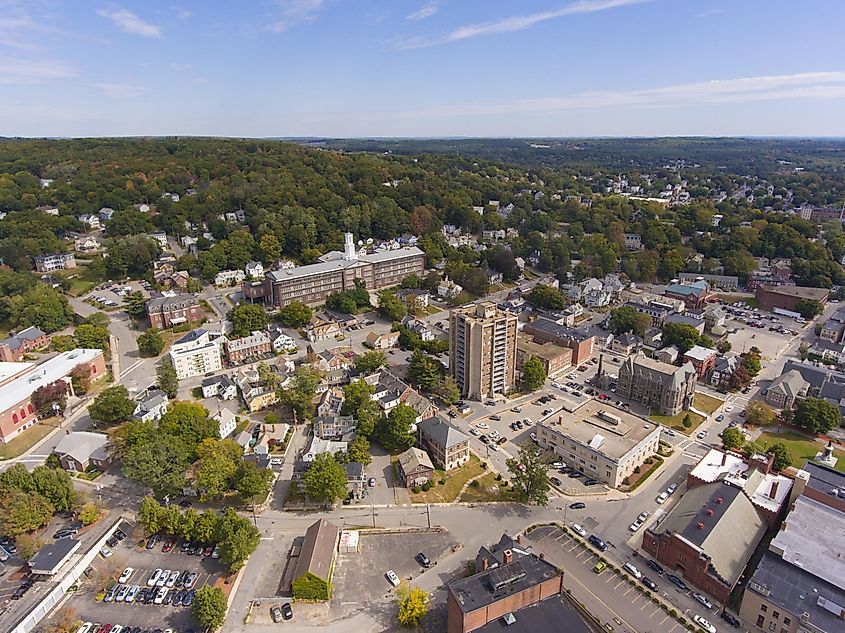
(111, 296)
(767, 332)
(616, 600)
(359, 578)
(134, 602)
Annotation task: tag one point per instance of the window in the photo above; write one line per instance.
(772, 626)
(30, 409)
(14, 418)
(764, 608)
(23, 413)
(776, 615)
(787, 621)
(784, 630)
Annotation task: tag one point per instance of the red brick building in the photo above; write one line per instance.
(544, 330)
(702, 358)
(507, 580)
(165, 312)
(14, 347)
(787, 297)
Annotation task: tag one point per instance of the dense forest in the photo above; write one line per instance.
(297, 201)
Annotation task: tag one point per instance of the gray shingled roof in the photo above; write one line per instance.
(442, 432)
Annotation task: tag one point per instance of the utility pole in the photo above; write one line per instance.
(428, 514)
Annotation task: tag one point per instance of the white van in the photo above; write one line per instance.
(578, 530)
(636, 573)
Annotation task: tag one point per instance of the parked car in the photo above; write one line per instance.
(372, 482)
(704, 624)
(392, 578)
(151, 542)
(730, 618)
(680, 584)
(578, 529)
(127, 573)
(105, 552)
(636, 573)
(423, 560)
(597, 543)
(276, 614)
(702, 599)
(287, 611)
(672, 488)
(578, 505)
(555, 481)
(163, 578)
(648, 582)
(599, 567)
(661, 498)
(110, 594)
(153, 579)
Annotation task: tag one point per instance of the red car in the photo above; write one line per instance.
(168, 545)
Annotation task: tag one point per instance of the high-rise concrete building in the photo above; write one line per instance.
(482, 350)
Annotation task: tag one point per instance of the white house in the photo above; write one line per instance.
(91, 221)
(229, 278)
(254, 270)
(160, 237)
(220, 386)
(282, 342)
(142, 207)
(447, 289)
(152, 407)
(226, 422)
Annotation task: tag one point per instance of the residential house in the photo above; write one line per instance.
(382, 341)
(91, 221)
(420, 327)
(447, 289)
(330, 359)
(166, 311)
(281, 342)
(331, 402)
(335, 427)
(626, 343)
(356, 479)
(725, 366)
(18, 344)
(55, 261)
(702, 358)
(824, 382)
(694, 321)
(833, 329)
(416, 299)
(106, 214)
(227, 422)
(141, 207)
(86, 244)
(446, 445)
(220, 385)
(653, 339)
(160, 238)
(248, 347)
(195, 354)
(321, 330)
(415, 467)
(152, 406)
(668, 355)
(254, 270)
(254, 393)
(694, 295)
(318, 446)
(786, 389)
(633, 241)
(229, 278)
(827, 350)
(79, 450)
(49, 209)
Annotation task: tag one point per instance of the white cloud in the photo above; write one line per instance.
(180, 13)
(426, 11)
(199, 81)
(120, 91)
(293, 12)
(709, 12)
(128, 22)
(14, 70)
(518, 22)
(180, 68)
(816, 85)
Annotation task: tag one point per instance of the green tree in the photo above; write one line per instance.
(368, 416)
(732, 438)
(533, 375)
(626, 319)
(370, 361)
(112, 406)
(687, 421)
(89, 336)
(189, 421)
(683, 336)
(816, 415)
(80, 379)
(759, 414)
(247, 318)
(237, 537)
(413, 604)
(546, 298)
(528, 477)
(390, 306)
(252, 481)
(218, 463)
(355, 394)
(89, 513)
(55, 485)
(359, 450)
(394, 431)
(209, 608)
(159, 464)
(723, 346)
(299, 395)
(168, 381)
(424, 370)
(63, 343)
(134, 304)
(783, 459)
(24, 512)
(205, 526)
(325, 480)
(150, 342)
(809, 308)
(751, 362)
(269, 249)
(295, 314)
(150, 515)
(41, 306)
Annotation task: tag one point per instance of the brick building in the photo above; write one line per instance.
(15, 346)
(787, 297)
(582, 344)
(168, 311)
(555, 359)
(508, 579)
(702, 358)
(251, 346)
(446, 445)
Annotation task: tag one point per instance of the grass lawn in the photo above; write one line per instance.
(455, 480)
(677, 421)
(26, 440)
(646, 471)
(706, 403)
(800, 448)
(488, 490)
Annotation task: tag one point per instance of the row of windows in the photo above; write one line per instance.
(16, 418)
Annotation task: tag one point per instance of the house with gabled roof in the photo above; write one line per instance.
(446, 445)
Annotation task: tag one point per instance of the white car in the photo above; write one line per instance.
(701, 435)
(636, 573)
(85, 628)
(163, 578)
(153, 579)
(661, 498)
(475, 431)
(162, 591)
(126, 575)
(276, 461)
(171, 581)
(392, 578)
(494, 447)
(702, 599)
(578, 530)
(636, 525)
(105, 552)
(533, 437)
(729, 408)
(704, 624)
(483, 425)
(670, 432)
(643, 516)
(121, 594)
(130, 597)
(672, 488)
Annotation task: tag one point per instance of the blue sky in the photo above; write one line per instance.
(422, 67)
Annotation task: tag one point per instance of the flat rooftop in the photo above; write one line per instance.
(811, 539)
(497, 583)
(21, 387)
(340, 264)
(823, 478)
(548, 351)
(612, 436)
(797, 591)
(802, 292)
(549, 616)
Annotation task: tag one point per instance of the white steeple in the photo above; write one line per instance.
(349, 252)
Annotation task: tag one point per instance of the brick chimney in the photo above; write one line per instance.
(774, 491)
(507, 557)
(485, 564)
(724, 458)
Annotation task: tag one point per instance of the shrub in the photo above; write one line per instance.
(441, 482)
(310, 587)
(498, 477)
(638, 470)
(474, 483)
(89, 513)
(415, 490)
(427, 485)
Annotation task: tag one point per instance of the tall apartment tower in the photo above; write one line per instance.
(482, 350)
